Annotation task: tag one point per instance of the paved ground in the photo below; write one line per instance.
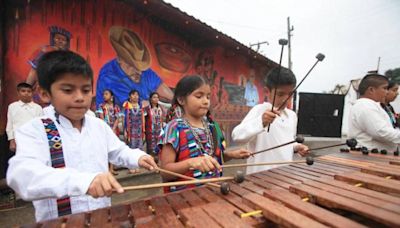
(24, 213)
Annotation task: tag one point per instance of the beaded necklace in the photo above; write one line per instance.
(197, 137)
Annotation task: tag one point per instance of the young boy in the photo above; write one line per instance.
(62, 158)
(368, 121)
(283, 124)
(21, 112)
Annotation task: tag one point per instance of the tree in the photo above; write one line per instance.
(393, 74)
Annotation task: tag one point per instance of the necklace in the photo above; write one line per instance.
(197, 137)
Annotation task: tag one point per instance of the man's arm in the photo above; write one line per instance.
(250, 126)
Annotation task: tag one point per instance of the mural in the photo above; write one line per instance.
(127, 50)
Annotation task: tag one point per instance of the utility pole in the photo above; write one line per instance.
(379, 62)
(259, 45)
(290, 64)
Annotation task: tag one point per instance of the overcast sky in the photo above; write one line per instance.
(351, 33)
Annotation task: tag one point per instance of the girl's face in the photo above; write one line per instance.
(392, 93)
(134, 97)
(154, 99)
(197, 103)
(107, 96)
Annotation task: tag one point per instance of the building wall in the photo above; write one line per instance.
(27, 31)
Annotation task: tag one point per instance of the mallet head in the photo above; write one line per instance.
(283, 41)
(351, 143)
(299, 139)
(320, 57)
(225, 188)
(309, 160)
(239, 177)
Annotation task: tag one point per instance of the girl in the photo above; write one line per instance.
(153, 122)
(391, 95)
(110, 113)
(193, 145)
(133, 127)
(133, 121)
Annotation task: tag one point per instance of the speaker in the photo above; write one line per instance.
(320, 115)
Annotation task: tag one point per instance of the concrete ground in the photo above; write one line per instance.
(24, 213)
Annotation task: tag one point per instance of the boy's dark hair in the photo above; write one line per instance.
(54, 64)
(371, 80)
(186, 86)
(24, 85)
(286, 77)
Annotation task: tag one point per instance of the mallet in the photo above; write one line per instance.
(309, 161)
(320, 57)
(282, 42)
(238, 178)
(299, 139)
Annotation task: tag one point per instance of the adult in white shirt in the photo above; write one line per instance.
(21, 111)
(368, 121)
(283, 124)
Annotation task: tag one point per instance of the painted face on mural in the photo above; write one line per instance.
(130, 70)
(282, 93)
(60, 41)
(25, 94)
(197, 104)
(71, 96)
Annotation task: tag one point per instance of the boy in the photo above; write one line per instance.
(21, 112)
(62, 158)
(253, 128)
(368, 121)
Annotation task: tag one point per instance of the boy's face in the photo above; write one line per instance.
(380, 92)
(282, 93)
(71, 96)
(25, 94)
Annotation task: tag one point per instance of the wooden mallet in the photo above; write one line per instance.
(299, 139)
(238, 178)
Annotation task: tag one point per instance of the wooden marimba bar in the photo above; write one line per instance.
(339, 190)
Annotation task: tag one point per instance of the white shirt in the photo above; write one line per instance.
(371, 126)
(251, 131)
(19, 113)
(49, 110)
(86, 154)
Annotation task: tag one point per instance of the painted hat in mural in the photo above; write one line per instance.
(130, 47)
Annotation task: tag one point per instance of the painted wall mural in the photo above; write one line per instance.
(126, 50)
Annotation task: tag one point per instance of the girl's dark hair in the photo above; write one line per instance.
(112, 95)
(133, 91)
(186, 86)
(392, 84)
(52, 65)
(151, 95)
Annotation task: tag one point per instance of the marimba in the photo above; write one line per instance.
(339, 190)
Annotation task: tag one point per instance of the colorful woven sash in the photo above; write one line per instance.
(57, 161)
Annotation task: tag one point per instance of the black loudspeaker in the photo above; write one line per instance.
(320, 115)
